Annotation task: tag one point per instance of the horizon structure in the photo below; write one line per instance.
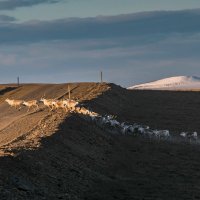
(136, 41)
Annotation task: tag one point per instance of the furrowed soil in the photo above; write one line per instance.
(59, 155)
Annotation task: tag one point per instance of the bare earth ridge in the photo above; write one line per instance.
(58, 155)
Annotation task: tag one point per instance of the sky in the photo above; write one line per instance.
(131, 41)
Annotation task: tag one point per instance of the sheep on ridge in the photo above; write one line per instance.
(14, 103)
(48, 103)
(31, 104)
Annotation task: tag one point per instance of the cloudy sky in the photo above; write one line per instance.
(131, 41)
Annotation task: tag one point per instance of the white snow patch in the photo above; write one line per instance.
(171, 83)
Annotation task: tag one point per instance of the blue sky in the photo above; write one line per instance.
(72, 40)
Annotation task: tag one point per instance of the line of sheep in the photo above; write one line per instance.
(107, 122)
(52, 104)
(110, 122)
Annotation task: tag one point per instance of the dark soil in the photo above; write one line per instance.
(78, 160)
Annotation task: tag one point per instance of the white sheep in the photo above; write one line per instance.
(31, 104)
(165, 133)
(193, 135)
(82, 110)
(124, 129)
(183, 134)
(114, 123)
(59, 104)
(48, 102)
(14, 103)
(141, 130)
(70, 104)
(161, 134)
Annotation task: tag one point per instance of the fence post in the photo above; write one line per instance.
(18, 81)
(101, 74)
(69, 91)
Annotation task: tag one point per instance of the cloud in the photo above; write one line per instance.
(6, 19)
(13, 4)
(129, 49)
(63, 61)
(142, 27)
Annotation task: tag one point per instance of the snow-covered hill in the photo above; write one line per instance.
(172, 83)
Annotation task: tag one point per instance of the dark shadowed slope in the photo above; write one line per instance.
(176, 111)
(65, 157)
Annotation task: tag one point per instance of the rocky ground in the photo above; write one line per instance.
(58, 155)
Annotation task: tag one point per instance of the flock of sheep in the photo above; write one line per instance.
(52, 104)
(18, 103)
(107, 122)
(110, 122)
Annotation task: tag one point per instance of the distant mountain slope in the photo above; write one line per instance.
(171, 83)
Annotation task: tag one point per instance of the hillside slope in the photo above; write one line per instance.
(54, 155)
(15, 123)
(171, 83)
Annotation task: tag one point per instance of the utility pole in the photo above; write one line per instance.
(101, 74)
(69, 91)
(18, 81)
